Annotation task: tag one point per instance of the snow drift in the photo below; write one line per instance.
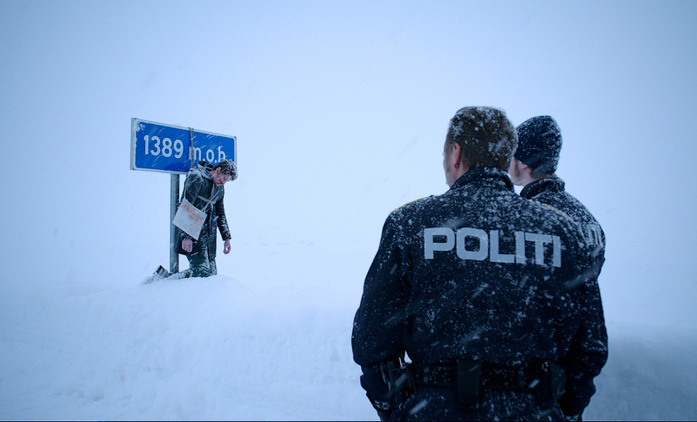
(217, 348)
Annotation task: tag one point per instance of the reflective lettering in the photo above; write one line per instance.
(495, 255)
(477, 255)
(593, 234)
(540, 240)
(445, 239)
(430, 245)
(520, 248)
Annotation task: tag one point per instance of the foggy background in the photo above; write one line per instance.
(340, 111)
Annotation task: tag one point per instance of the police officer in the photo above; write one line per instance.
(476, 296)
(533, 166)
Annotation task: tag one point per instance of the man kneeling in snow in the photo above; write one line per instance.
(204, 189)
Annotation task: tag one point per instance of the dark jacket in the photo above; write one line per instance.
(477, 272)
(202, 193)
(583, 366)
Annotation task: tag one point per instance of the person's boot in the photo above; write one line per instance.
(159, 274)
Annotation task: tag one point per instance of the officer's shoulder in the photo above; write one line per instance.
(411, 204)
(555, 209)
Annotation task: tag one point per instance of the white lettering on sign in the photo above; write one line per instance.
(168, 148)
(195, 155)
(488, 245)
(165, 147)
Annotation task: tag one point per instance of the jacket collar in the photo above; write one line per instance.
(205, 168)
(484, 174)
(548, 184)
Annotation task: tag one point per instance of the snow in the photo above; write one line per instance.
(224, 348)
(186, 349)
(340, 110)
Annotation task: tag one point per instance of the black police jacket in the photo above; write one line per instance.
(477, 272)
(551, 191)
(581, 367)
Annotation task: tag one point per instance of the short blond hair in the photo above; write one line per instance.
(485, 135)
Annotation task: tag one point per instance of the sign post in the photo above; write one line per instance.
(176, 150)
(173, 201)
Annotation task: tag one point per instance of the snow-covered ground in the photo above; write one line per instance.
(340, 110)
(240, 349)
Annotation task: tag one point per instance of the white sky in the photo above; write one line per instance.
(340, 109)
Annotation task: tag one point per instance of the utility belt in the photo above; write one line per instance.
(545, 379)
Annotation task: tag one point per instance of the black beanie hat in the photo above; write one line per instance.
(539, 143)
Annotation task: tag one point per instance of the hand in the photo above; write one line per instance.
(226, 248)
(188, 245)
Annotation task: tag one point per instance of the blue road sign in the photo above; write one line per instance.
(175, 149)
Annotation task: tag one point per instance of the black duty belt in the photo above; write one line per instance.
(544, 379)
(519, 377)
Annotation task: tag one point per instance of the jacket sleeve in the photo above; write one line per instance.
(588, 352)
(381, 321)
(222, 220)
(588, 349)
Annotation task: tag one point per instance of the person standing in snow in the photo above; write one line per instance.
(204, 189)
(533, 166)
(482, 290)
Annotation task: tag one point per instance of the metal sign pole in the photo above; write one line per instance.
(164, 148)
(173, 201)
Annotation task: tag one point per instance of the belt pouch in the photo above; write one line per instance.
(551, 384)
(558, 380)
(469, 375)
